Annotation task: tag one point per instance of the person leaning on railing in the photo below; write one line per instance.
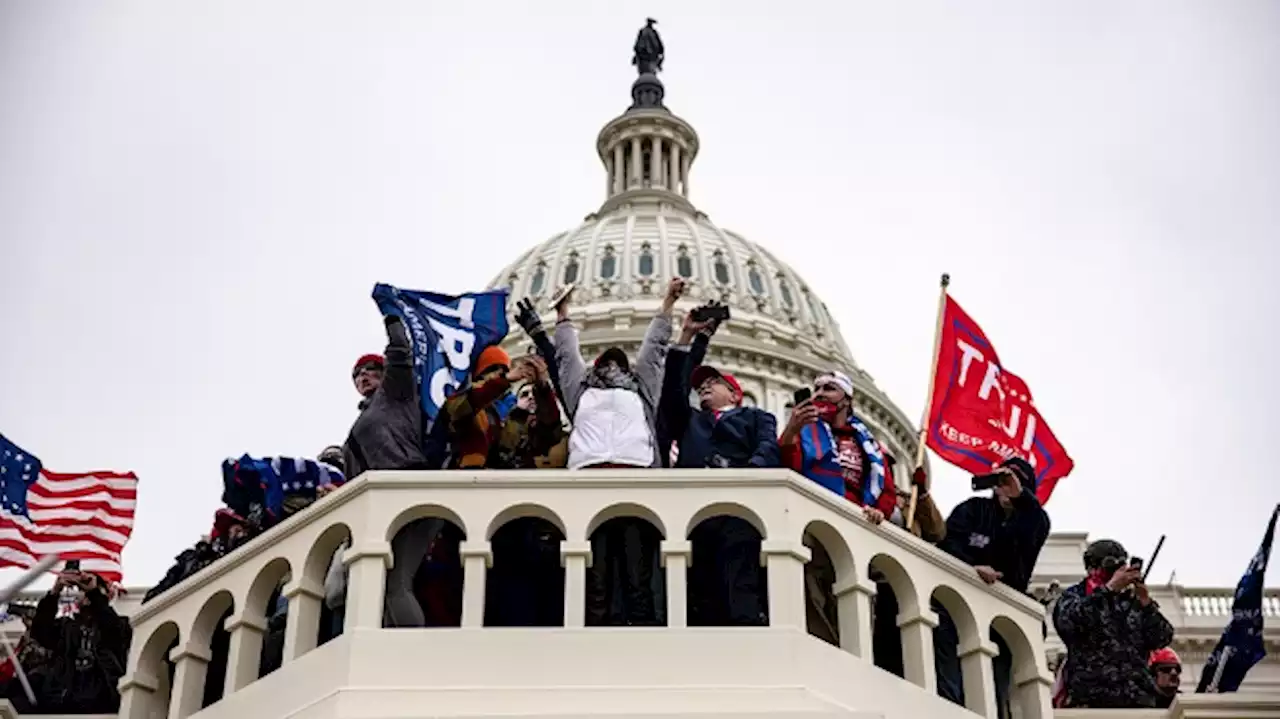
(1000, 537)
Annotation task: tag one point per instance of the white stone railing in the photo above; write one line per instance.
(1217, 602)
(783, 506)
(1191, 706)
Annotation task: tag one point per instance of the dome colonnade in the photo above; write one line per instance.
(787, 510)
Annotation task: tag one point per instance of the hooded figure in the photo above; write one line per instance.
(1110, 626)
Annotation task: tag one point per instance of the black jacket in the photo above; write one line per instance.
(741, 437)
(981, 533)
(675, 381)
(87, 656)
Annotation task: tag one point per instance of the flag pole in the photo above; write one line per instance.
(928, 399)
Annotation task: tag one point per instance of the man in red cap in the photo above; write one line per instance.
(388, 432)
(1166, 668)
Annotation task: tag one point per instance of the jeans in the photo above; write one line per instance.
(621, 580)
(409, 548)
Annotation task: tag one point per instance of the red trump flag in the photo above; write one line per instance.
(981, 414)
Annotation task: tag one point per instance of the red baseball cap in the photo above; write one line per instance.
(705, 372)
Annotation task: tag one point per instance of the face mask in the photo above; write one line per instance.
(826, 411)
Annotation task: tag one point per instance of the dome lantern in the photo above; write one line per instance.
(647, 150)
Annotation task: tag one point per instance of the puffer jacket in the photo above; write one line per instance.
(1109, 637)
(597, 422)
(388, 432)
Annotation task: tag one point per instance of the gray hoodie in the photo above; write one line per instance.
(648, 369)
(388, 432)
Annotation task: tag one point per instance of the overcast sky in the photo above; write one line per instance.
(197, 198)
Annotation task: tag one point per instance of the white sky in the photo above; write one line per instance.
(197, 198)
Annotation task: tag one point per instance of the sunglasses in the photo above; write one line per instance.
(1170, 670)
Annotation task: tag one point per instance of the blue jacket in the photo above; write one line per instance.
(743, 436)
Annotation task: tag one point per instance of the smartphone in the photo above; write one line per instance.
(719, 313)
(72, 565)
(1135, 563)
(802, 395)
(986, 481)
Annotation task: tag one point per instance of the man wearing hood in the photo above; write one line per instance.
(1110, 626)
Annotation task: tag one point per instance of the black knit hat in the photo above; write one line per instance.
(1098, 552)
(1023, 470)
(615, 355)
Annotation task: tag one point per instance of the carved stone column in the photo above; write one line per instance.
(673, 169)
(979, 679)
(140, 697)
(684, 176)
(244, 653)
(1032, 692)
(676, 557)
(303, 625)
(636, 171)
(619, 169)
(853, 610)
(917, 648)
(786, 561)
(367, 566)
(189, 665)
(477, 560)
(656, 175)
(575, 557)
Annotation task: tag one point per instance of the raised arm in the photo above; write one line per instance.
(568, 357)
(651, 359)
(397, 380)
(528, 319)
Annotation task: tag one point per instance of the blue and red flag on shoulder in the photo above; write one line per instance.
(1241, 644)
(448, 333)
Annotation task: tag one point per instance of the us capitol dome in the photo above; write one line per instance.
(647, 230)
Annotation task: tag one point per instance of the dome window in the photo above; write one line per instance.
(721, 269)
(646, 261)
(539, 280)
(755, 279)
(813, 307)
(784, 291)
(571, 270)
(684, 263)
(608, 264)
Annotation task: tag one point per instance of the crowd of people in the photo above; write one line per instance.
(552, 409)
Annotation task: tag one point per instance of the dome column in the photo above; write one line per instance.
(634, 179)
(673, 169)
(619, 167)
(684, 176)
(655, 157)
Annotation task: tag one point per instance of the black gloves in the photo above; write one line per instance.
(528, 318)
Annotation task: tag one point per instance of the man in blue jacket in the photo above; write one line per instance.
(727, 584)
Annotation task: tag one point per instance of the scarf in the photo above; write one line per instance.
(1094, 580)
(819, 462)
(610, 376)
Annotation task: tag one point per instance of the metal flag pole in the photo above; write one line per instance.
(24, 581)
(928, 399)
(1217, 672)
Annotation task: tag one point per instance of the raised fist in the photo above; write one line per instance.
(527, 317)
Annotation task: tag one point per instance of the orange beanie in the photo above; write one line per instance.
(489, 357)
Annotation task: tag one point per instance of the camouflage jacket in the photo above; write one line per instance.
(1109, 636)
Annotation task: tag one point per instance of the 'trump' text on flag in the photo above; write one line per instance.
(448, 334)
(981, 414)
(86, 516)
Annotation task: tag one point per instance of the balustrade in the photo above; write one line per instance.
(783, 507)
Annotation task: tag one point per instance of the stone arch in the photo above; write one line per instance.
(525, 585)
(728, 509)
(153, 667)
(956, 637)
(1012, 674)
(315, 569)
(425, 511)
(896, 576)
(830, 565)
(207, 619)
(626, 509)
(518, 511)
(269, 578)
(954, 603)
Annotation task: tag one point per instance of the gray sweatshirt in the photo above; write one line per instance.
(388, 432)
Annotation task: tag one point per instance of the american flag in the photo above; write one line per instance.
(86, 516)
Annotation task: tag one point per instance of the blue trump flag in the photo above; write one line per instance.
(269, 480)
(1241, 644)
(448, 335)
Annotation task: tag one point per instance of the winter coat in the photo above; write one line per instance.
(678, 373)
(87, 655)
(610, 427)
(980, 532)
(1109, 637)
(388, 433)
(740, 436)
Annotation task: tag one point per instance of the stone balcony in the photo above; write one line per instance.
(777, 670)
